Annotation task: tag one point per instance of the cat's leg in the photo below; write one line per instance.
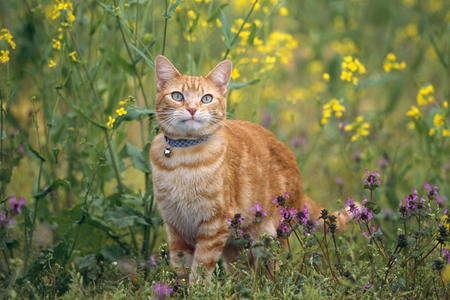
(181, 253)
(211, 240)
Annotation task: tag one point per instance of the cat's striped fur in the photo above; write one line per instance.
(198, 187)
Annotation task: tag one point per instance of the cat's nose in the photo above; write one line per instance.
(192, 110)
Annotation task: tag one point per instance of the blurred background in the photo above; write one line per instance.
(346, 84)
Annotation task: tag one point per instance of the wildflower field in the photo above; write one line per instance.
(357, 89)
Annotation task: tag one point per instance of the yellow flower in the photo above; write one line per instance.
(235, 73)
(364, 129)
(348, 127)
(326, 76)
(390, 63)
(54, 11)
(431, 132)
(111, 121)
(121, 111)
(283, 11)
(52, 63)
(361, 128)
(445, 104)
(5, 34)
(333, 106)
(413, 112)
(438, 120)
(445, 132)
(425, 95)
(350, 68)
(122, 102)
(56, 44)
(73, 56)
(4, 57)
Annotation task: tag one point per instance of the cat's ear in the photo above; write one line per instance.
(165, 71)
(221, 75)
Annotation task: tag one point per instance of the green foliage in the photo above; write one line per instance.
(77, 93)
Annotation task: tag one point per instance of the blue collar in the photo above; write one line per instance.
(185, 143)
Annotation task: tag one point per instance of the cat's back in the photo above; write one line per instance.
(258, 161)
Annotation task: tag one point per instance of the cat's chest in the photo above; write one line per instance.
(188, 189)
(186, 199)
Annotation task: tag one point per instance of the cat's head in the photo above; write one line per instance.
(189, 107)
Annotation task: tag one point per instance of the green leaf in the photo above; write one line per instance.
(117, 59)
(123, 216)
(225, 29)
(57, 183)
(79, 111)
(236, 86)
(134, 112)
(252, 34)
(171, 10)
(137, 158)
(37, 154)
(216, 13)
(194, 24)
(138, 58)
(141, 54)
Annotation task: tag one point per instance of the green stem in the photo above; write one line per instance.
(100, 109)
(141, 86)
(165, 30)
(240, 29)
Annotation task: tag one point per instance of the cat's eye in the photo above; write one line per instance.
(177, 96)
(207, 98)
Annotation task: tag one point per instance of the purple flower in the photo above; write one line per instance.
(413, 205)
(3, 217)
(446, 254)
(310, 226)
(259, 213)
(352, 207)
(372, 181)
(235, 225)
(282, 230)
(440, 200)
(298, 141)
(5, 220)
(16, 205)
(288, 214)
(151, 261)
(280, 200)
(338, 180)
(367, 286)
(162, 290)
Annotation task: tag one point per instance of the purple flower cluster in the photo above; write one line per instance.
(291, 219)
(446, 255)
(162, 290)
(432, 194)
(412, 205)
(7, 217)
(375, 231)
(362, 214)
(287, 214)
(280, 200)
(235, 226)
(259, 213)
(372, 181)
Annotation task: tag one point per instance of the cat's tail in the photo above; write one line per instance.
(343, 216)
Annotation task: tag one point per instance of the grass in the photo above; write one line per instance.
(89, 225)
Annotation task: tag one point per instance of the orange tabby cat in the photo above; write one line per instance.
(206, 168)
